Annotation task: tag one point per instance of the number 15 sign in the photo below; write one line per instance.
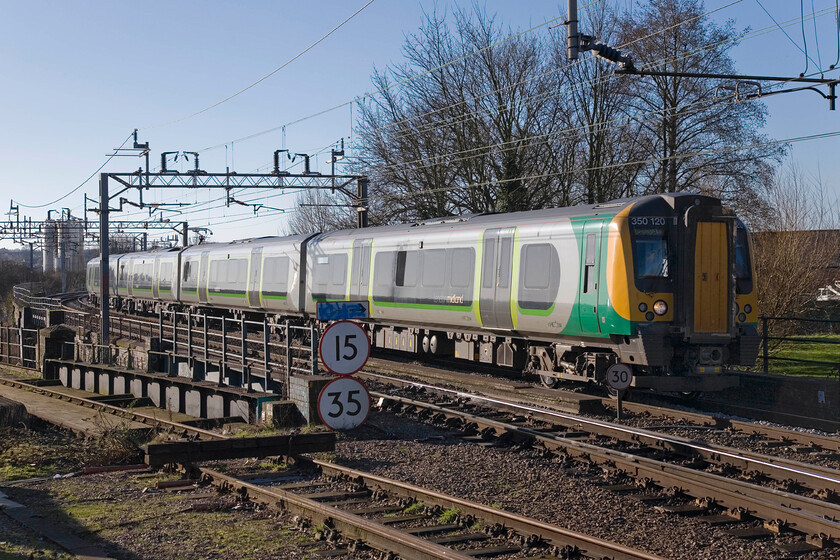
(344, 348)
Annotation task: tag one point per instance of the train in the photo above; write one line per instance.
(663, 284)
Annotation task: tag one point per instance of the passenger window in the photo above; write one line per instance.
(504, 263)
(488, 272)
(400, 277)
(539, 277)
(434, 268)
(589, 281)
(462, 265)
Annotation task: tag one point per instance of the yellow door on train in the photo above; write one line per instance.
(711, 258)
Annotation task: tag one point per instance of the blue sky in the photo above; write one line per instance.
(78, 77)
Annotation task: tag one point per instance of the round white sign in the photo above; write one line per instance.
(344, 404)
(619, 376)
(344, 348)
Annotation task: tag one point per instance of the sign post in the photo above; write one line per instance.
(619, 377)
(344, 348)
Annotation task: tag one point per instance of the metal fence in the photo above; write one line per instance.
(19, 346)
(275, 350)
(32, 295)
(796, 330)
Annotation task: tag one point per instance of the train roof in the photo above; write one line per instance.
(673, 200)
(610, 208)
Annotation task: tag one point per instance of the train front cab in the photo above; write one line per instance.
(685, 264)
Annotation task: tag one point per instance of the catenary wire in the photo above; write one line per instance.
(623, 164)
(520, 140)
(243, 90)
(795, 44)
(382, 90)
(83, 183)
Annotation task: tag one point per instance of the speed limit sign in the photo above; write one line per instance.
(619, 376)
(343, 404)
(344, 348)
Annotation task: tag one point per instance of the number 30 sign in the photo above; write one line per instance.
(344, 348)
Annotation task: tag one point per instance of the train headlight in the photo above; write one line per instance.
(748, 309)
(660, 307)
(643, 307)
(742, 318)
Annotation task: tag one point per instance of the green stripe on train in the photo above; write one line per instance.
(432, 306)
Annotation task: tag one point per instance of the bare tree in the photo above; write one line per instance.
(795, 241)
(692, 137)
(319, 210)
(607, 138)
(476, 133)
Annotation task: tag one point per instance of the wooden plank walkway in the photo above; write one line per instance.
(73, 417)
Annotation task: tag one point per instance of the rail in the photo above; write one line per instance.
(32, 295)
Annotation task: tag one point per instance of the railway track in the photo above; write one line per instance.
(726, 485)
(411, 522)
(363, 508)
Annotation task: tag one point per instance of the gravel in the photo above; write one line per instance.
(547, 489)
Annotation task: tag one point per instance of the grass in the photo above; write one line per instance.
(826, 350)
(448, 515)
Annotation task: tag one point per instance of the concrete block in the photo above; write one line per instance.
(193, 402)
(120, 386)
(239, 407)
(64, 375)
(155, 392)
(103, 385)
(90, 381)
(12, 413)
(173, 399)
(215, 406)
(76, 377)
(304, 391)
(282, 414)
(184, 370)
(136, 388)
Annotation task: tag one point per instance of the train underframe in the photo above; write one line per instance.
(680, 367)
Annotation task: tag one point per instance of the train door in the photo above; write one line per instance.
(360, 275)
(254, 274)
(203, 269)
(156, 277)
(711, 258)
(496, 268)
(590, 273)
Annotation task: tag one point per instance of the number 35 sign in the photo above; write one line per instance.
(343, 404)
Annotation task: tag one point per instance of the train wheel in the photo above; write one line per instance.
(549, 381)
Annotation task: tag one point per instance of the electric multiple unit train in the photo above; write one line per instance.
(662, 283)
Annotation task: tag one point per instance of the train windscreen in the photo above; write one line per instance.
(651, 254)
(743, 272)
